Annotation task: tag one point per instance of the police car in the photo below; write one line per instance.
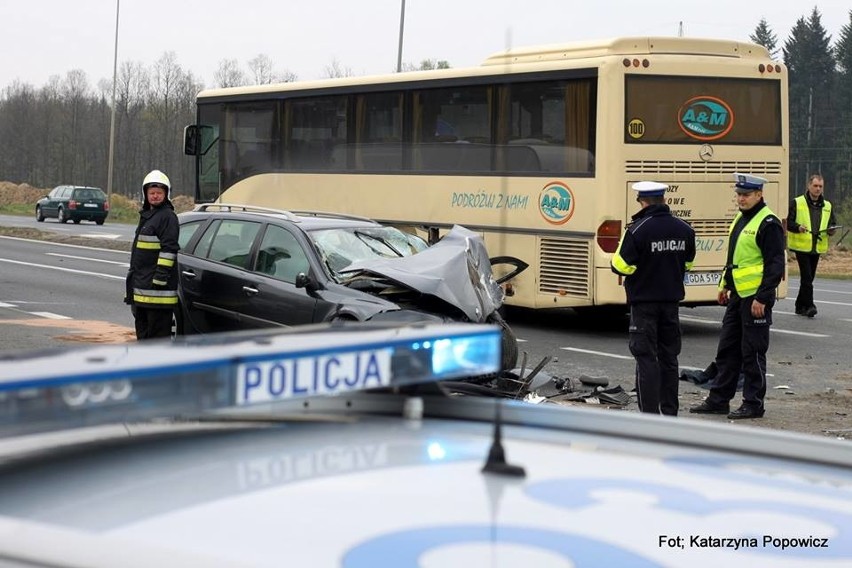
(339, 446)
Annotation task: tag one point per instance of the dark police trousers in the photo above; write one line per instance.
(743, 344)
(807, 272)
(655, 344)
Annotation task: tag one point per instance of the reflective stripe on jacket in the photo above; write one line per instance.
(152, 279)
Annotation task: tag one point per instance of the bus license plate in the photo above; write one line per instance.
(702, 278)
(267, 381)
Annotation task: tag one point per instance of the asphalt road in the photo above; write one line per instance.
(109, 230)
(67, 285)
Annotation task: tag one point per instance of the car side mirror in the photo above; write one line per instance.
(303, 281)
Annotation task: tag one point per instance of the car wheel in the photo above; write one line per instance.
(39, 215)
(77, 221)
(60, 216)
(100, 221)
(508, 343)
(177, 322)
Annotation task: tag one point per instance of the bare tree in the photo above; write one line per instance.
(335, 69)
(261, 69)
(75, 92)
(263, 73)
(229, 74)
(132, 91)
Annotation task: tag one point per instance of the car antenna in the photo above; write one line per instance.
(496, 462)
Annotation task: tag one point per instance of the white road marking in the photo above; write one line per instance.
(831, 291)
(87, 258)
(51, 243)
(601, 353)
(99, 236)
(50, 315)
(5, 305)
(773, 329)
(64, 269)
(832, 303)
(803, 333)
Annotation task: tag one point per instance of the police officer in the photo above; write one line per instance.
(753, 271)
(152, 277)
(810, 221)
(653, 256)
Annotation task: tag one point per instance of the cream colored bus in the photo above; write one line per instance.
(536, 149)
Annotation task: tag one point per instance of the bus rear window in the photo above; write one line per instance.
(686, 110)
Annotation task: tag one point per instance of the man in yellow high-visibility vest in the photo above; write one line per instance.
(754, 267)
(810, 221)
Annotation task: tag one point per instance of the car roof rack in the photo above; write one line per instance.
(291, 215)
(246, 208)
(309, 213)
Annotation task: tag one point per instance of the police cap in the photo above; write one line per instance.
(649, 189)
(746, 183)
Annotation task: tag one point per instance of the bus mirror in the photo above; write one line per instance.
(608, 235)
(191, 140)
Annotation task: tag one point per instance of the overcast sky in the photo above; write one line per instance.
(41, 38)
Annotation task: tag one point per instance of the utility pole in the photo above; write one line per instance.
(401, 28)
(112, 114)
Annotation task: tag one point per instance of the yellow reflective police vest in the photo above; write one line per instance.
(747, 271)
(803, 242)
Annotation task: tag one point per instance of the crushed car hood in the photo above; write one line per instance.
(456, 269)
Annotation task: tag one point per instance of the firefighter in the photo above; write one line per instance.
(152, 277)
(754, 268)
(654, 254)
(810, 221)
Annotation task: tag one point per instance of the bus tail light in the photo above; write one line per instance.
(608, 235)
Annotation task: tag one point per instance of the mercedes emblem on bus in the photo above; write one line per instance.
(705, 152)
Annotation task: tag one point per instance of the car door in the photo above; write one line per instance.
(275, 299)
(49, 207)
(215, 279)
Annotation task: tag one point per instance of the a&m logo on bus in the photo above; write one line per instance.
(556, 203)
(705, 118)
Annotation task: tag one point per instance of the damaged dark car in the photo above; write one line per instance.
(245, 267)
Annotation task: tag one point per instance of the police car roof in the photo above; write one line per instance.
(361, 479)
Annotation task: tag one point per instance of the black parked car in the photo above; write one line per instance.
(246, 267)
(73, 203)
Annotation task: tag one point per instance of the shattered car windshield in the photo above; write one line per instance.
(340, 247)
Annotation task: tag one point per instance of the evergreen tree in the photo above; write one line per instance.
(843, 53)
(764, 36)
(810, 62)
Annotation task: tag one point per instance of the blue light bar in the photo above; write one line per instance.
(115, 383)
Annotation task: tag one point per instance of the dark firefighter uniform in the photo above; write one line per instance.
(754, 268)
(653, 256)
(152, 278)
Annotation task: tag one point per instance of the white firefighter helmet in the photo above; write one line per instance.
(156, 176)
